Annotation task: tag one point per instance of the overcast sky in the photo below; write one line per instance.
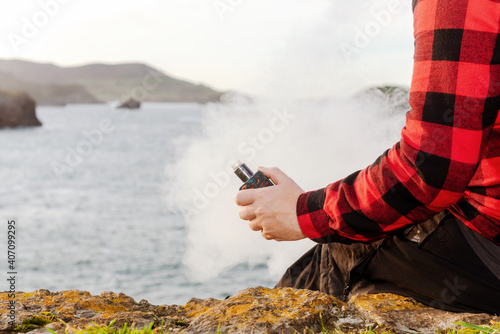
(267, 47)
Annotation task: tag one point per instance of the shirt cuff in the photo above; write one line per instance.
(313, 220)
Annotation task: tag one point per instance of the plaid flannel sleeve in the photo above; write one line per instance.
(454, 99)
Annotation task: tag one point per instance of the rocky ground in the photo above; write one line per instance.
(254, 310)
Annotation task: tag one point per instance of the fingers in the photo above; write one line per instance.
(265, 235)
(274, 173)
(271, 209)
(254, 225)
(247, 213)
(245, 197)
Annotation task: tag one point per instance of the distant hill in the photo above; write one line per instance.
(49, 84)
(47, 94)
(393, 98)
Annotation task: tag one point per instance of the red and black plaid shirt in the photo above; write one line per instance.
(449, 153)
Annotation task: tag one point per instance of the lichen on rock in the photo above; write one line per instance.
(263, 310)
(404, 314)
(253, 310)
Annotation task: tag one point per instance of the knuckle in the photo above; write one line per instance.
(253, 227)
(260, 211)
(275, 169)
(244, 213)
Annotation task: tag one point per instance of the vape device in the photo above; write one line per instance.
(252, 180)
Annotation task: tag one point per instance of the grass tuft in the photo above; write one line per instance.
(35, 321)
(473, 329)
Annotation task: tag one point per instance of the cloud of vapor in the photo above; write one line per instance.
(344, 50)
(314, 142)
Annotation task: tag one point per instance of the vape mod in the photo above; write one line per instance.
(257, 180)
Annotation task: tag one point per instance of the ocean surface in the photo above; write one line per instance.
(85, 190)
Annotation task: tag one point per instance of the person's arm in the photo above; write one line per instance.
(454, 99)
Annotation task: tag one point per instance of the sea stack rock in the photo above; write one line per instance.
(17, 109)
(130, 104)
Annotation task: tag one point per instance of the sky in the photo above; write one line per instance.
(285, 48)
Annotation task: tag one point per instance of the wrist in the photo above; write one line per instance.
(311, 217)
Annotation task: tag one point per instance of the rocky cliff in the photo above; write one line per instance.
(254, 310)
(17, 109)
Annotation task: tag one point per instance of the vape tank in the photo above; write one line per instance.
(252, 180)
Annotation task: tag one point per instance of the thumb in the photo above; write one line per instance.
(274, 173)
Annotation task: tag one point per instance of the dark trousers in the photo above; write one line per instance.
(433, 262)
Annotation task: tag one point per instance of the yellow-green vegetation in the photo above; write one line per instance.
(254, 309)
(471, 329)
(125, 329)
(69, 300)
(110, 329)
(494, 328)
(286, 303)
(387, 302)
(35, 321)
(466, 328)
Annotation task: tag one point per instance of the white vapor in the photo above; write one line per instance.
(315, 143)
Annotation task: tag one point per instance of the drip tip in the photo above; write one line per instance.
(242, 171)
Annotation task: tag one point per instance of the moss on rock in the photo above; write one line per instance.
(253, 310)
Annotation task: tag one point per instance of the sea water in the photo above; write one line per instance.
(142, 202)
(89, 209)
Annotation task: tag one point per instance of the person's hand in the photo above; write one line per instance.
(272, 210)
